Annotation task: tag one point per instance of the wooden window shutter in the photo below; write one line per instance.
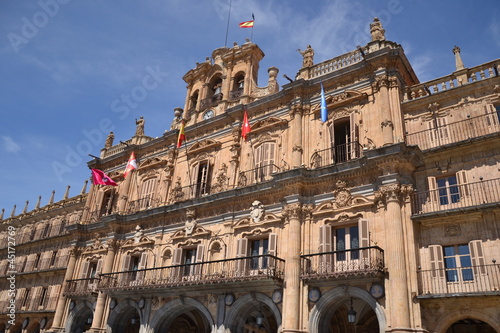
(437, 262)
(273, 245)
(241, 248)
(85, 270)
(354, 136)
(176, 261)
(364, 238)
(142, 265)
(99, 267)
(462, 183)
(325, 238)
(35, 294)
(200, 253)
(433, 192)
(477, 256)
(126, 263)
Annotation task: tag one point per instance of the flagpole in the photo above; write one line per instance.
(251, 34)
(228, 16)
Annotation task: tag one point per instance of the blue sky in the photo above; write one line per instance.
(67, 66)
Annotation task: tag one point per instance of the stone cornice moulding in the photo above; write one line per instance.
(198, 231)
(268, 124)
(143, 241)
(247, 223)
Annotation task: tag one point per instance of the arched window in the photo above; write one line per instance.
(193, 101)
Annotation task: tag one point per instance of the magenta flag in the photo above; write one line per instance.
(100, 178)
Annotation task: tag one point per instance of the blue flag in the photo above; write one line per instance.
(324, 111)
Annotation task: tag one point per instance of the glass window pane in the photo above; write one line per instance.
(465, 261)
(441, 182)
(450, 262)
(452, 180)
(451, 276)
(449, 251)
(467, 274)
(353, 233)
(463, 249)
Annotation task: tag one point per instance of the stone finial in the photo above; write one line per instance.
(66, 194)
(459, 64)
(376, 30)
(51, 200)
(13, 213)
(38, 202)
(25, 210)
(176, 122)
(84, 188)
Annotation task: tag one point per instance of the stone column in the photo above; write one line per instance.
(382, 85)
(296, 111)
(107, 267)
(61, 302)
(291, 305)
(392, 195)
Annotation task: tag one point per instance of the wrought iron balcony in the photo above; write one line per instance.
(457, 196)
(464, 281)
(334, 155)
(265, 267)
(81, 287)
(179, 193)
(340, 264)
(469, 128)
(257, 175)
(142, 204)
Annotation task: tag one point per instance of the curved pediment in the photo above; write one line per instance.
(198, 231)
(247, 222)
(257, 232)
(344, 98)
(343, 217)
(271, 123)
(134, 242)
(204, 146)
(151, 161)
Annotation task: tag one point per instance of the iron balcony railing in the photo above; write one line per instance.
(337, 154)
(264, 267)
(257, 175)
(482, 279)
(142, 204)
(81, 287)
(189, 192)
(457, 196)
(361, 261)
(469, 128)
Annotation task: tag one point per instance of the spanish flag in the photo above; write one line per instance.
(247, 24)
(182, 135)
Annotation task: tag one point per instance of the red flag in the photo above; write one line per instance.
(131, 165)
(246, 24)
(182, 135)
(245, 127)
(100, 178)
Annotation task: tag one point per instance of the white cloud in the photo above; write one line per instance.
(9, 144)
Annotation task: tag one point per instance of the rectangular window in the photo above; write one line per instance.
(258, 248)
(457, 263)
(203, 179)
(448, 190)
(347, 239)
(147, 193)
(264, 155)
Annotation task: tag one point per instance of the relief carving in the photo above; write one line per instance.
(342, 194)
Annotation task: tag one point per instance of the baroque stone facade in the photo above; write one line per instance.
(384, 218)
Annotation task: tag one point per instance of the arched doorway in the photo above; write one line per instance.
(253, 313)
(331, 313)
(80, 318)
(183, 316)
(470, 325)
(126, 320)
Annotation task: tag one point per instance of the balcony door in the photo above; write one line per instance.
(187, 263)
(344, 138)
(341, 245)
(256, 254)
(264, 161)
